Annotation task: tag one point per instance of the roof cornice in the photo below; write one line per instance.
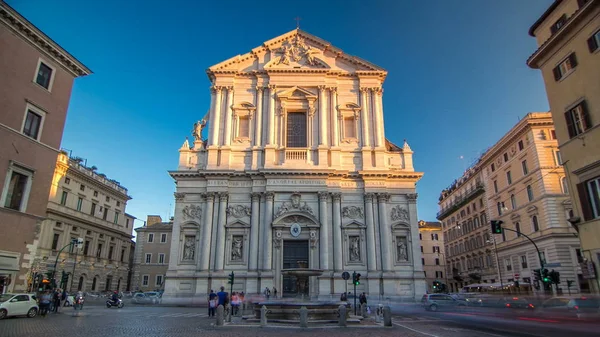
(30, 33)
(543, 17)
(74, 171)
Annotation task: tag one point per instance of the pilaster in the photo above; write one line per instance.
(335, 137)
(207, 227)
(337, 231)
(324, 232)
(376, 94)
(268, 233)
(385, 232)
(220, 249)
(254, 218)
(323, 134)
(371, 247)
(270, 160)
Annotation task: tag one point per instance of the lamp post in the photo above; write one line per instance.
(497, 261)
(445, 271)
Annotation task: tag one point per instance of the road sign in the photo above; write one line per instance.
(551, 265)
(346, 275)
(517, 275)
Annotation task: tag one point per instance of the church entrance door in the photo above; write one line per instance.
(293, 251)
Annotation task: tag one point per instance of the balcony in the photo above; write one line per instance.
(470, 194)
(296, 155)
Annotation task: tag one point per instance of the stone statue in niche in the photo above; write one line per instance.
(401, 249)
(352, 212)
(238, 211)
(236, 248)
(354, 248)
(192, 212)
(189, 248)
(399, 213)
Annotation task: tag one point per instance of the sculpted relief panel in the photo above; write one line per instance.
(399, 213)
(238, 211)
(294, 205)
(193, 212)
(352, 212)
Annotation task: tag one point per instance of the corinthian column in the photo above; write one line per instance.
(259, 112)
(207, 231)
(385, 232)
(335, 138)
(366, 137)
(324, 232)
(337, 231)
(378, 125)
(268, 234)
(271, 123)
(322, 116)
(253, 263)
(216, 120)
(221, 232)
(228, 116)
(371, 249)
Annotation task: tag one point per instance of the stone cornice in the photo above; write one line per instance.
(90, 223)
(90, 180)
(36, 37)
(325, 173)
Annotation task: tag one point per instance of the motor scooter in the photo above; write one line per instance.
(119, 303)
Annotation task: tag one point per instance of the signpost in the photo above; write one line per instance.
(346, 276)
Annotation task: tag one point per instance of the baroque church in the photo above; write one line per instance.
(295, 171)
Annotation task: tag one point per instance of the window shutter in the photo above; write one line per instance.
(592, 44)
(586, 115)
(570, 127)
(573, 60)
(556, 72)
(584, 201)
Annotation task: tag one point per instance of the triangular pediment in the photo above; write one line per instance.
(296, 51)
(297, 93)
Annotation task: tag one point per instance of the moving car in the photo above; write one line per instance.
(146, 298)
(18, 305)
(581, 307)
(435, 302)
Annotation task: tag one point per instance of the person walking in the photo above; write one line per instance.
(344, 297)
(275, 292)
(56, 300)
(45, 300)
(235, 303)
(362, 298)
(267, 292)
(212, 303)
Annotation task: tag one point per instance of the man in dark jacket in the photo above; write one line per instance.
(212, 303)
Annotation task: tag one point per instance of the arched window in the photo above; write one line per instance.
(563, 184)
(513, 201)
(476, 222)
(518, 229)
(80, 285)
(94, 284)
(479, 241)
(534, 222)
(472, 244)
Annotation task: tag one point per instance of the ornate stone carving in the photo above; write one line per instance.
(323, 196)
(236, 248)
(223, 196)
(364, 89)
(189, 248)
(260, 88)
(314, 238)
(399, 213)
(296, 49)
(192, 212)
(294, 205)
(278, 238)
(401, 249)
(337, 197)
(179, 196)
(197, 130)
(412, 196)
(270, 196)
(218, 88)
(369, 197)
(210, 196)
(238, 211)
(256, 196)
(383, 197)
(352, 212)
(354, 249)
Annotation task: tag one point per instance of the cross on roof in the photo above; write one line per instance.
(297, 22)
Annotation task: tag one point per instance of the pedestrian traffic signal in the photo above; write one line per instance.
(356, 278)
(537, 274)
(231, 278)
(545, 276)
(496, 226)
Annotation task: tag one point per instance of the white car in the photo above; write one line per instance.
(18, 305)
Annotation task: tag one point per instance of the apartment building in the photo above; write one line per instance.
(568, 55)
(85, 205)
(35, 90)
(151, 261)
(432, 253)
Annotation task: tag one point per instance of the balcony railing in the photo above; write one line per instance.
(298, 155)
(462, 200)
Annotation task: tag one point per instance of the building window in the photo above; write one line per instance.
(94, 284)
(63, 198)
(107, 198)
(99, 250)
(500, 206)
(67, 180)
(244, 127)
(421, 249)
(93, 210)
(529, 193)
(557, 158)
(506, 157)
(110, 252)
(55, 241)
(518, 229)
(524, 167)
(79, 203)
(513, 201)
(565, 67)
(437, 261)
(82, 187)
(508, 264)
(105, 215)
(96, 194)
(508, 178)
(44, 75)
(591, 201)
(159, 280)
(524, 261)
(503, 236)
(535, 224)
(296, 129)
(116, 220)
(594, 41)
(564, 185)
(16, 188)
(495, 186)
(349, 127)
(126, 223)
(163, 238)
(553, 134)
(559, 23)
(145, 279)
(420, 236)
(493, 167)
(118, 203)
(86, 247)
(122, 254)
(148, 257)
(161, 258)
(150, 237)
(423, 260)
(521, 147)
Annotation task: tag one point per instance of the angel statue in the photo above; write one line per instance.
(197, 130)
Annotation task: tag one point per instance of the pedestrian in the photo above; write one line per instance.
(243, 304)
(362, 298)
(275, 292)
(235, 303)
(344, 297)
(223, 297)
(56, 300)
(267, 292)
(64, 296)
(45, 300)
(212, 303)
(78, 305)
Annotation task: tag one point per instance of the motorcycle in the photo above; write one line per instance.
(119, 303)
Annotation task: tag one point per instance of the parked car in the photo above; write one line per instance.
(582, 307)
(146, 298)
(18, 305)
(435, 302)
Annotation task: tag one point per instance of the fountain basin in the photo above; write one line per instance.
(290, 311)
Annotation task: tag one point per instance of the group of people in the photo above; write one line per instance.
(51, 300)
(267, 292)
(362, 298)
(222, 298)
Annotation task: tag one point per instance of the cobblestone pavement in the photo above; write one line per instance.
(151, 321)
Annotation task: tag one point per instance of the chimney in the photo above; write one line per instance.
(153, 219)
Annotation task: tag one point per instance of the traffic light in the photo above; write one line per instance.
(496, 226)
(545, 276)
(437, 285)
(356, 278)
(231, 278)
(555, 277)
(537, 275)
(64, 279)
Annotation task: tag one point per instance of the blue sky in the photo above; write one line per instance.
(457, 75)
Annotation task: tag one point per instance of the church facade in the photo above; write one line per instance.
(295, 170)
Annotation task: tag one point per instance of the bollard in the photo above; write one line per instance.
(363, 310)
(303, 317)
(342, 312)
(220, 313)
(263, 316)
(387, 316)
(229, 312)
(378, 313)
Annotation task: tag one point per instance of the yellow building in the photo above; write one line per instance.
(432, 253)
(568, 54)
